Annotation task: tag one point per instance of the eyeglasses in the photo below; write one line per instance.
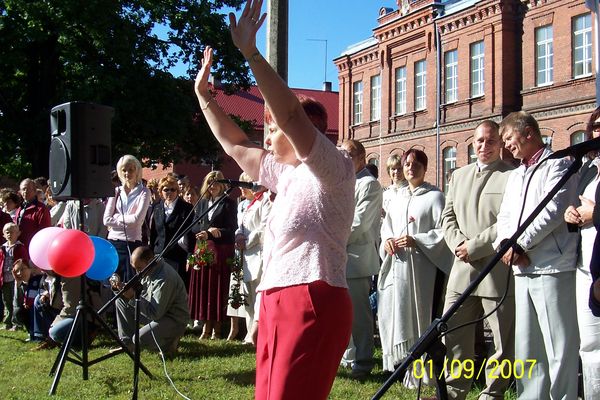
(595, 126)
(166, 190)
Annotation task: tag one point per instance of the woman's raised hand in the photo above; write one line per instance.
(243, 31)
(201, 84)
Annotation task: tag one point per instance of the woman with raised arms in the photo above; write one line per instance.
(305, 313)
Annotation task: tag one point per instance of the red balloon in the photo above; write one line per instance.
(71, 253)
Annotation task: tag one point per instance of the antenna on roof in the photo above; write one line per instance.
(326, 84)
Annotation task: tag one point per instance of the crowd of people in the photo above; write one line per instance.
(319, 256)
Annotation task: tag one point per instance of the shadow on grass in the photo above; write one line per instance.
(244, 378)
(192, 348)
(195, 348)
(378, 377)
(14, 338)
(241, 378)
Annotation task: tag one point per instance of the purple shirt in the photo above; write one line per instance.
(309, 224)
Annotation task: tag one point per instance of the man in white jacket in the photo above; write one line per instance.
(363, 261)
(546, 344)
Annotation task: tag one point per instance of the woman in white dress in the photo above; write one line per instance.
(249, 238)
(413, 249)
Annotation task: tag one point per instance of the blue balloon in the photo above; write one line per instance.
(105, 261)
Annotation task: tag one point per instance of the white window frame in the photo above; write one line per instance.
(420, 85)
(357, 102)
(375, 97)
(451, 76)
(585, 63)
(477, 68)
(449, 157)
(544, 55)
(400, 75)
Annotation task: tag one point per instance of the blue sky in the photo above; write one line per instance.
(340, 22)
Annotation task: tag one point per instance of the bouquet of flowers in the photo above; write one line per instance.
(236, 297)
(203, 255)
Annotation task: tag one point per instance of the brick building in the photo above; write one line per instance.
(433, 70)
(248, 106)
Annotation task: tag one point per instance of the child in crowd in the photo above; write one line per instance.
(27, 284)
(46, 306)
(11, 250)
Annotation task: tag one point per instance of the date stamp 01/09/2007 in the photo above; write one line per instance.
(467, 369)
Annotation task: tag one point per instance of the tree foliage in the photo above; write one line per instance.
(116, 53)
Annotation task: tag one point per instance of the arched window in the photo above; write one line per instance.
(373, 166)
(471, 153)
(449, 165)
(577, 137)
(547, 140)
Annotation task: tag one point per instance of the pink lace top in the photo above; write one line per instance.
(309, 224)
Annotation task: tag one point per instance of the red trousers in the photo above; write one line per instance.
(302, 334)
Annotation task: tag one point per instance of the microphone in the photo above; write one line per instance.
(246, 185)
(577, 150)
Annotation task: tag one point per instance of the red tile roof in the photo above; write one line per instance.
(249, 105)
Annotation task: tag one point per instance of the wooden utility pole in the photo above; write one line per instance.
(277, 36)
(277, 40)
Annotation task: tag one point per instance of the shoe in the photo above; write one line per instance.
(47, 344)
(114, 350)
(13, 329)
(359, 375)
(119, 349)
(197, 325)
(91, 336)
(171, 351)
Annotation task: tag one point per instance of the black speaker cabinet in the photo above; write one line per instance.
(80, 159)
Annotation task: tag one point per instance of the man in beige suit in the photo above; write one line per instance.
(469, 221)
(363, 262)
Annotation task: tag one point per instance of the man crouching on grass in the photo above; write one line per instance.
(163, 305)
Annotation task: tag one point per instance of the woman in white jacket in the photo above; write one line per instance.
(249, 239)
(125, 212)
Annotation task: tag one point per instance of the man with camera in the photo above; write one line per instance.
(163, 305)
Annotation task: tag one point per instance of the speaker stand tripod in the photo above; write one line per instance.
(84, 310)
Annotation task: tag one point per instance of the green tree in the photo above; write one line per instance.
(116, 53)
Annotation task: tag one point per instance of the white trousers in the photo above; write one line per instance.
(546, 333)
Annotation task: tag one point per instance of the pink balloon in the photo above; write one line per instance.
(71, 253)
(40, 242)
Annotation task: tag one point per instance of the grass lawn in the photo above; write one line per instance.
(201, 370)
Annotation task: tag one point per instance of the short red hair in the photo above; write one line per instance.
(313, 109)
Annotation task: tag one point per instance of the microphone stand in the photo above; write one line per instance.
(136, 341)
(430, 341)
(135, 283)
